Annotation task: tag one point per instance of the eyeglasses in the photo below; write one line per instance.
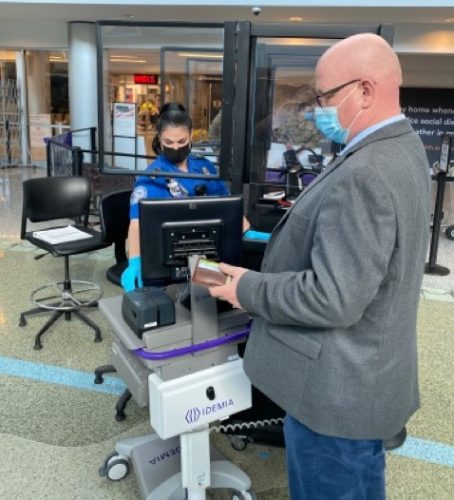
(332, 92)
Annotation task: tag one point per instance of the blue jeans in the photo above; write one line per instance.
(329, 468)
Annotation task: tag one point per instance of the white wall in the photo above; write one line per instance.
(428, 70)
(29, 34)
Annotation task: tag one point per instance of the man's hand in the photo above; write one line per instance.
(227, 292)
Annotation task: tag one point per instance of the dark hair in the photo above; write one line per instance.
(172, 114)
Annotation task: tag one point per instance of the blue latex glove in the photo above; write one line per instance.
(256, 235)
(132, 274)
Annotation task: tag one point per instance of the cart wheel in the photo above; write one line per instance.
(238, 443)
(115, 468)
(102, 469)
(450, 232)
(243, 495)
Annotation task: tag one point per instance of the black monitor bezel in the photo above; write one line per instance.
(158, 216)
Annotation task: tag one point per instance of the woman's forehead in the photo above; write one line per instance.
(175, 133)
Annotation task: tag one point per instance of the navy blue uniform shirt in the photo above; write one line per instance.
(168, 187)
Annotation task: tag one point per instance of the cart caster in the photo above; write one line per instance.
(450, 232)
(115, 468)
(243, 495)
(120, 416)
(22, 320)
(238, 443)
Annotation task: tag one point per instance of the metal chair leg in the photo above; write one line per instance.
(31, 312)
(90, 323)
(101, 370)
(46, 326)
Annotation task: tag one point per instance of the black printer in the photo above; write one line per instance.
(146, 308)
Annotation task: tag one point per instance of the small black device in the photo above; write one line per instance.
(147, 308)
(201, 190)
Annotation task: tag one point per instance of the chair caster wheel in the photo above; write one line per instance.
(115, 468)
(243, 495)
(97, 340)
(22, 320)
(450, 232)
(37, 346)
(238, 443)
(98, 379)
(119, 417)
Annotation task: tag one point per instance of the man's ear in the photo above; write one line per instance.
(368, 92)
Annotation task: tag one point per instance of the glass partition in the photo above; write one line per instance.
(145, 66)
(283, 91)
(247, 87)
(273, 152)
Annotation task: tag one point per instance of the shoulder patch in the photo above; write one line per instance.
(139, 193)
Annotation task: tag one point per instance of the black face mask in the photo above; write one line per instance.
(176, 155)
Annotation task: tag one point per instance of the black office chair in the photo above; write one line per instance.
(53, 199)
(114, 212)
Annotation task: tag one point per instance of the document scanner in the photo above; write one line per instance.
(146, 308)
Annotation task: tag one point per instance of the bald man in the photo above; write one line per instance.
(334, 306)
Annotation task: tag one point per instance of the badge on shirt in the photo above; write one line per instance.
(176, 189)
(139, 193)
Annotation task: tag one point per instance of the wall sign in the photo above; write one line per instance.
(146, 79)
(124, 119)
(431, 113)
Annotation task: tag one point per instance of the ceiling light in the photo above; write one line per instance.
(200, 54)
(123, 56)
(296, 19)
(449, 20)
(128, 60)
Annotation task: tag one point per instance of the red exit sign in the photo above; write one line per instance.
(146, 79)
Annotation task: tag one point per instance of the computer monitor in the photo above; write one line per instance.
(172, 229)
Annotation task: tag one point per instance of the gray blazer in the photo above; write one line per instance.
(335, 304)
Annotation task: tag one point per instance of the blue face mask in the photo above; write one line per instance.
(327, 121)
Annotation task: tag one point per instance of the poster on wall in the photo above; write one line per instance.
(124, 119)
(431, 113)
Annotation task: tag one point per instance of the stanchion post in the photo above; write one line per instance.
(445, 152)
(8, 142)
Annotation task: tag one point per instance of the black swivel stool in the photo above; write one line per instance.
(114, 213)
(52, 199)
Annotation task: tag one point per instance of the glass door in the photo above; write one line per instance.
(273, 150)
